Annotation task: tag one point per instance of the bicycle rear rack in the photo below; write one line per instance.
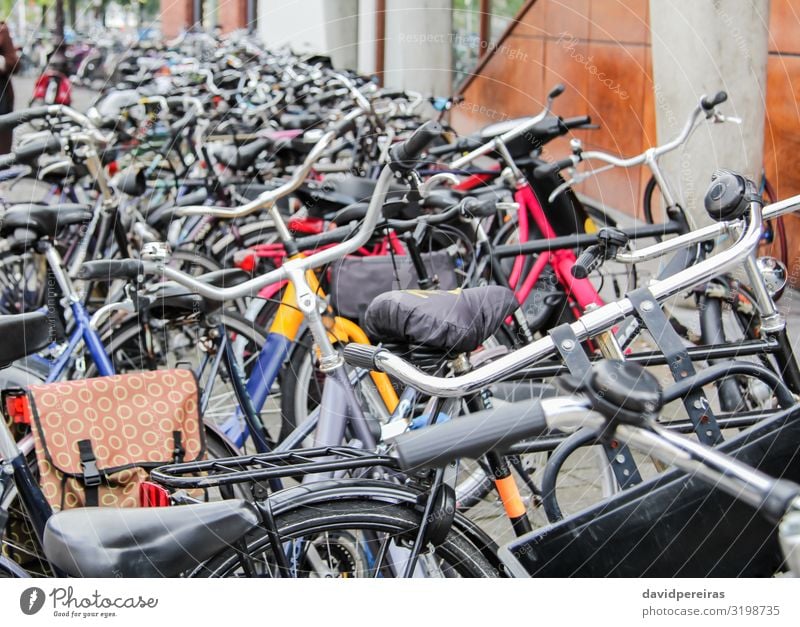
(266, 466)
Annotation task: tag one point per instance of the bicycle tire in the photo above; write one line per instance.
(130, 335)
(336, 517)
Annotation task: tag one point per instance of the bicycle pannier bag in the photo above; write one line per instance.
(356, 281)
(97, 439)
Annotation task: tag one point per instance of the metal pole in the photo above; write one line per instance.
(58, 60)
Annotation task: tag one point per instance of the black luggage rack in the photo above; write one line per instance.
(267, 466)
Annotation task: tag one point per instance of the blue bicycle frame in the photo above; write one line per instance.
(82, 325)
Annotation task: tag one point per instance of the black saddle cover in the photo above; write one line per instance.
(457, 321)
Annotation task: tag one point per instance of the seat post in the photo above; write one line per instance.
(55, 262)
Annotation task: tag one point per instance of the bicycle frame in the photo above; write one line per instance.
(283, 333)
(83, 329)
(580, 290)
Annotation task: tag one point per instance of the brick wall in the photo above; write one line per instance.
(175, 15)
(600, 49)
(232, 14)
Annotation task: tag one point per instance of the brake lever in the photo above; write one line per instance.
(564, 186)
(720, 118)
(577, 177)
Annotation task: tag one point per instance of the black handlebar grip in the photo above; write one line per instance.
(581, 120)
(391, 93)
(333, 236)
(544, 171)
(14, 119)
(404, 156)
(110, 269)
(32, 150)
(709, 103)
(556, 91)
(470, 436)
(361, 355)
(589, 260)
(480, 208)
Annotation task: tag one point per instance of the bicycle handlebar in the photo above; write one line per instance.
(110, 269)
(549, 169)
(292, 266)
(269, 198)
(709, 103)
(588, 325)
(588, 261)
(15, 118)
(404, 155)
(705, 107)
(495, 429)
(491, 145)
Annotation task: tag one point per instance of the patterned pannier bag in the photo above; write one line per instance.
(97, 439)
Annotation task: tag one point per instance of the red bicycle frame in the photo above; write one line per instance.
(580, 291)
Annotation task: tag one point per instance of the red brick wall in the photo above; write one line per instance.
(600, 50)
(175, 15)
(782, 129)
(232, 14)
(563, 40)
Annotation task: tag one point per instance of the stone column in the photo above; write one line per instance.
(419, 46)
(701, 48)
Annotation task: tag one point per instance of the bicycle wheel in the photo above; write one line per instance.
(23, 282)
(135, 346)
(736, 393)
(223, 248)
(346, 539)
(20, 544)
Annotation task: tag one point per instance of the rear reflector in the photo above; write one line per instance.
(153, 495)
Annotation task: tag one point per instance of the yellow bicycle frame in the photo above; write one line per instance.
(289, 319)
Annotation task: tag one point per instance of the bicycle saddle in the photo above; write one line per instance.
(299, 120)
(242, 157)
(144, 542)
(23, 335)
(43, 220)
(171, 299)
(454, 322)
(334, 194)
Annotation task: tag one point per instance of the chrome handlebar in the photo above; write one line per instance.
(590, 323)
(648, 156)
(292, 266)
(269, 198)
